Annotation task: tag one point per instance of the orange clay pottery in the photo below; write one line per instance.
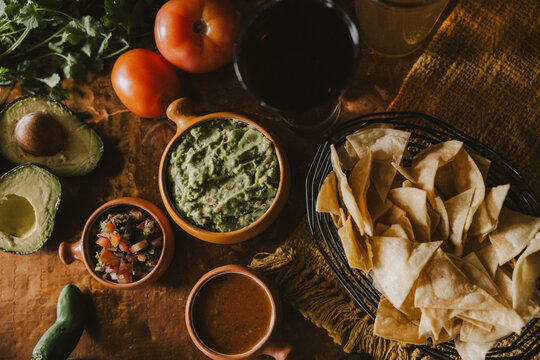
(177, 113)
(83, 249)
(271, 343)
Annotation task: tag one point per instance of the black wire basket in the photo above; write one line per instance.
(425, 130)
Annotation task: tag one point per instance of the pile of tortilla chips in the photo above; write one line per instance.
(439, 245)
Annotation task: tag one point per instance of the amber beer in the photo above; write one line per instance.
(297, 57)
(398, 27)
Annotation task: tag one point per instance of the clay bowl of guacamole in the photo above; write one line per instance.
(222, 177)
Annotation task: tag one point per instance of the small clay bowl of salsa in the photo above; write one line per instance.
(232, 313)
(126, 243)
(223, 178)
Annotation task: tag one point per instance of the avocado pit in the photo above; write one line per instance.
(40, 134)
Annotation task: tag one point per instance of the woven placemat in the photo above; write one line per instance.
(481, 74)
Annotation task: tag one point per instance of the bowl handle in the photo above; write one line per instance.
(180, 111)
(276, 347)
(69, 252)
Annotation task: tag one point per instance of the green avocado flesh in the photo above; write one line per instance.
(83, 147)
(223, 175)
(29, 199)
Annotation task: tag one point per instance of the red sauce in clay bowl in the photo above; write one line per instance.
(232, 313)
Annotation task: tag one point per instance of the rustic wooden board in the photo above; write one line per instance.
(149, 323)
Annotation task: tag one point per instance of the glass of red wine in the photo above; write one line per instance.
(297, 57)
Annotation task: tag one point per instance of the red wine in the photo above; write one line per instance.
(298, 54)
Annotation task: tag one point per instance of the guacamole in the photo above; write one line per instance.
(223, 175)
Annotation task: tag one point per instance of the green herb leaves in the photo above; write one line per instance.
(45, 41)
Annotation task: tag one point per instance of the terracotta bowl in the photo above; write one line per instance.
(177, 113)
(271, 344)
(83, 250)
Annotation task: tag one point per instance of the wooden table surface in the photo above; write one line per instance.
(149, 323)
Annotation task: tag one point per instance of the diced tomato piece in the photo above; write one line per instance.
(124, 246)
(115, 239)
(109, 228)
(137, 214)
(103, 242)
(141, 225)
(125, 272)
(108, 258)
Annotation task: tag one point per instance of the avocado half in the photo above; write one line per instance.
(29, 199)
(83, 147)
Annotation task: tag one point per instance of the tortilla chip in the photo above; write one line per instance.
(444, 224)
(342, 218)
(482, 325)
(433, 321)
(405, 223)
(359, 182)
(345, 191)
(386, 146)
(434, 219)
(407, 307)
(443, 286)
(444, 336)
(392, 215)
(482, 163)
(392, 324)
(407, 183)
(413, 202)
(507, 319)
(347, 155)
(336, 220)
(426, 163)
(380, 229)
(444, 181)
(473, 350)
(478, 275)
(397, 263)
(526, 274)
(486, 218)
(472, 333)
(457, 208)
(504, 283)
(327, 200)
(395, 231)
(513, 234)
(467, 176)
(407, 173)
(488, 257)
(356, 249)
(376, 207)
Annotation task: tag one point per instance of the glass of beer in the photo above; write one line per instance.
(397, 27)
(298, 57)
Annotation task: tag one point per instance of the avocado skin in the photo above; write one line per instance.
(53, 106)
(57, 189)
(62, 337)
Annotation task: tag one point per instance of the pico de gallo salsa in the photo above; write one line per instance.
(128, 246)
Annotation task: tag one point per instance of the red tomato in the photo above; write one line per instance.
(197, 35)
(145, 82)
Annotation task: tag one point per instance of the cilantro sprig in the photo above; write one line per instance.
(45, 41)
